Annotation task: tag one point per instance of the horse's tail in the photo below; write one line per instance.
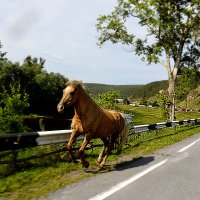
(123, 136)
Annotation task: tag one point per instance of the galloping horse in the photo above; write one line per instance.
(92, 121)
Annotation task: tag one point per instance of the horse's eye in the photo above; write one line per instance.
(72, 93)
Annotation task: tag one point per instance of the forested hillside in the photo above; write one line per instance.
(129, 91)
(125, 90)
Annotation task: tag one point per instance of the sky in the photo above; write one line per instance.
(63, 32)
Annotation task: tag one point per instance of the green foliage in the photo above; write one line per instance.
(10, 74)
(44, 89)
(108, 99)
(163, 101)
(171, 24)
(2, 54)
(188, 80)
(12, 106)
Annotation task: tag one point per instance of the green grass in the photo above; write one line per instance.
(33, 183)
(40, 176)
(144, 115)
(152, 141)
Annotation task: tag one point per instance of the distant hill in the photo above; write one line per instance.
(125, 90)
(150, 89)
(133, 91)
(146, 91)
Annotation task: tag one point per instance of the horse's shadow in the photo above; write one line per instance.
(135, 162)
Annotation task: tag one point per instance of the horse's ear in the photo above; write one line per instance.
(67, 83)
(83, 85)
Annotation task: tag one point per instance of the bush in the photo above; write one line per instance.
(12, 106)
(108, 99)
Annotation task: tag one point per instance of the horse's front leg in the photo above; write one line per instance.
(72, 139)
(81, 151)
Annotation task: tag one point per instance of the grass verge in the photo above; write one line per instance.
(36, 182)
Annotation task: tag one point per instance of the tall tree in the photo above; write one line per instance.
(2, 54)
(171, 33)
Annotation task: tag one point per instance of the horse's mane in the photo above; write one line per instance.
(74, 83)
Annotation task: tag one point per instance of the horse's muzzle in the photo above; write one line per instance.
(60, 108)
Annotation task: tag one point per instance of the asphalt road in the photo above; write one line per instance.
(172, 173)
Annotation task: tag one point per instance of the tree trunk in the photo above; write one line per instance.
(171, 91)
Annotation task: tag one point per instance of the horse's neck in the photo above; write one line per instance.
(85, 105)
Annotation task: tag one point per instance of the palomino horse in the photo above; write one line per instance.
(93, 122)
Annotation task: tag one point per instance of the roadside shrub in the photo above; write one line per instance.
(12, 106)
(108, 99)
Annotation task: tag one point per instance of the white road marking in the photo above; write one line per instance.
(188, 146)
(123, 184)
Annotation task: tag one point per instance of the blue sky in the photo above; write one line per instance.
(63, 33)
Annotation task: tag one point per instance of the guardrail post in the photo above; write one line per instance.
(15, 154)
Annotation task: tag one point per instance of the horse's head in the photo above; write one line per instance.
(69, 95)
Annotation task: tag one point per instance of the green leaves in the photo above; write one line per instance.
(12, 106)
(2, 54)
(169, 25)
(44, 88)
(108, 99)
(113, 28)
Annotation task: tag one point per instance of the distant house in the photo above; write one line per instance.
(119, 101)
(134, 103)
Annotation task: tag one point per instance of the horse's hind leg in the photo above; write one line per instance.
(105, 142)
(110, 148)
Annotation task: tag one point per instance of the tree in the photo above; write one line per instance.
(44, 89)
(108, 99)
(12, 106)
(2, 54)
(187, 81)
(171, 33)
(50, 87)
(10, 74)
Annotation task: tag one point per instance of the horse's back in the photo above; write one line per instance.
(111, 122)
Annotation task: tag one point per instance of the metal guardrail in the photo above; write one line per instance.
(23, 140)
(32, 139)
(160, 125)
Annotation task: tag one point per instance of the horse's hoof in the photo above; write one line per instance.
(75, 161)
(86, 164)
(98, 163)
(99, 168)
(102, 165)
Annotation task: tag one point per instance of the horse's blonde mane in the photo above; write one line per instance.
(76, 83)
